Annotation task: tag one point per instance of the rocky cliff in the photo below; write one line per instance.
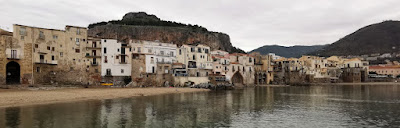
(141, 26)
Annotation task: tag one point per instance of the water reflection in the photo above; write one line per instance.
(317, 106)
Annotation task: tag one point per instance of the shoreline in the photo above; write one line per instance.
(26, 97)
(362, 83)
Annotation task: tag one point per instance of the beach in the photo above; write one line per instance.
(24, 97)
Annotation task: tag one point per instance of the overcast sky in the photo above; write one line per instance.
(250, 23)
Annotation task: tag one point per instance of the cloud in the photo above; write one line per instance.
(250, 24)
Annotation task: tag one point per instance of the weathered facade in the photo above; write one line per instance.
(197, 61)
(263, 68)
(241, 71)
(45, 56)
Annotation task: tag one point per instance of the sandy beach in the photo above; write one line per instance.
(17, 97)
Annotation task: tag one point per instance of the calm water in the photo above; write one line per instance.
(317, 106)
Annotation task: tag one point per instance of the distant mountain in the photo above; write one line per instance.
(293, 51)
(376, 38)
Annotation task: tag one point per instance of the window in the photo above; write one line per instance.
(105, 40)
(130, 49)
(36, 46)
(52, 57)
(48, 47)
(206, 50)
(105, 59)
(37, 69)
(152, 60)
(22, 31)
(60, 46)
(78, 31)
(52, 49)
(77, 50)
(55, 37)
(139, 49)
(105, 50)
(13, 53)
(22, 37)
(41, 35)
(77, 41)
(162, 53)
(180, 52)
(171, 53)
(199, 50)
(117, 49)
(122, 70)
(108, 72)
(192, 50)
(117, 57)
(61, 54)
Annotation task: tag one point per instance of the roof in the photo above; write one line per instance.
(333, 58)
(177, 64)
(281, 59)
(384, 67)
(240, 54)
(352, 59)
(5, 32)
(40, 28)
(218, 56)
(291, 59)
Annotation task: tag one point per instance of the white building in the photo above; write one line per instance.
(274, 56)
(114, 58)
(156, 53)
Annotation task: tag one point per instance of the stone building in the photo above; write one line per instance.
(241, 70)
(93, 60)
(155, 62)
(197, 61)
(263, 68)
(221, 62)
(45, 56)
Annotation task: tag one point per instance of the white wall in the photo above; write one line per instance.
(112, 47)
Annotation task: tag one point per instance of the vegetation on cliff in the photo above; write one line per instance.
(293, 51)
(376, 38)
(142, 26)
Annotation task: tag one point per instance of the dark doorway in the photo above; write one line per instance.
(13, 73)
(237, 79)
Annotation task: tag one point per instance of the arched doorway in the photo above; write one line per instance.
(237, 79)
(13, 73)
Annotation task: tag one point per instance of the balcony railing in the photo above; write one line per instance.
(164, 62)
(93, 56)
(13, 56)
(93, 47)
(192, 66)
(95, 64)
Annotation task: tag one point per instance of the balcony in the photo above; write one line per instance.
(123, 62)
(99, 48)
(94, 63)
(93, 56)
(42, 61)
(164, 62)
(13, 56)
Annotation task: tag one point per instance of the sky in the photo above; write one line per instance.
(250, 23)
